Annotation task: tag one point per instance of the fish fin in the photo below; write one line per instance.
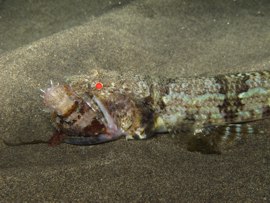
(213, 139)
(139, 134)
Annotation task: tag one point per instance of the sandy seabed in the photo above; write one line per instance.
(43, 41)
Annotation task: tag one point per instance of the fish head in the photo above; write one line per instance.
(83, 119)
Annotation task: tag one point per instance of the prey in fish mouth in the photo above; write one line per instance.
(79, 120)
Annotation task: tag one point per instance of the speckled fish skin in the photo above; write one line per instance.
(223, 99)
(144, 105)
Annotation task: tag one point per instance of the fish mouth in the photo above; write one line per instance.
(112, 131)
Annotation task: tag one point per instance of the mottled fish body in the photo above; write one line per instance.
(141, 106)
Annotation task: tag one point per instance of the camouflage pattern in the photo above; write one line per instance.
(143, 105)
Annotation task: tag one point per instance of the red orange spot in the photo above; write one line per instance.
(99, 85)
